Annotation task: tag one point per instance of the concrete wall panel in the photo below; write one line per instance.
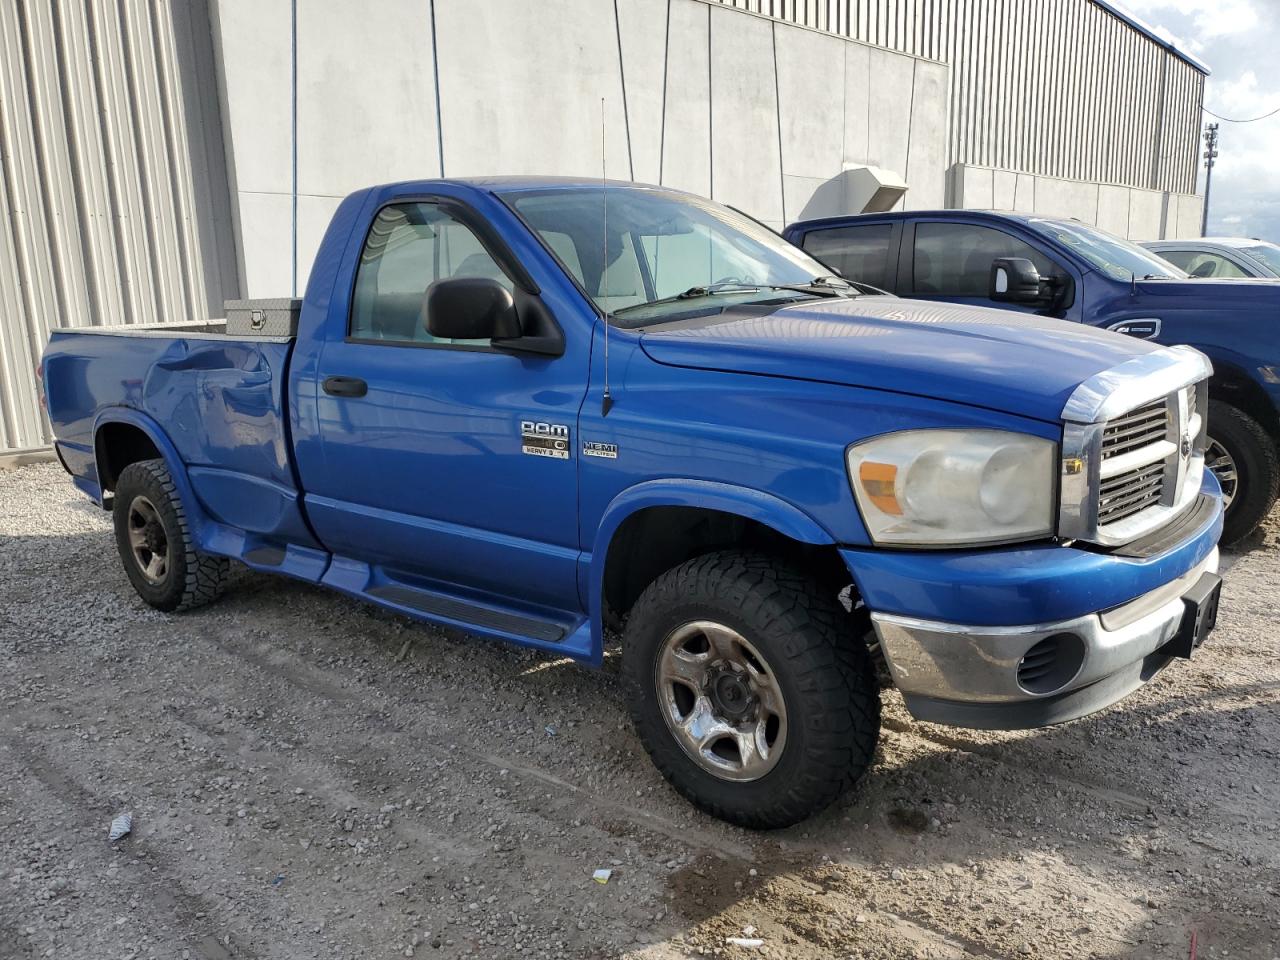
(349, 61)
(927, 144)
(811, 93)
(266, 238)
(1146, 212)
(642, 28)
(686, 145)
(1066, 198)
(1113, 209)
(857, 103)
(1004, 189)
(252, 41)
(1125, 211)
(1190, 211)
(889, 109)
(513, 105)
(1024, 193)
(746, 167)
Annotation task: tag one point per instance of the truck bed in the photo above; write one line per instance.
(219, 400)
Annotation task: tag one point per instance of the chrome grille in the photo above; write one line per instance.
(1130, 492)
(1133, 447)
(1142, 427)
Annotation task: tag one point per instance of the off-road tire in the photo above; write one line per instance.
(825, 673)
(192, 578)
(1257, 467)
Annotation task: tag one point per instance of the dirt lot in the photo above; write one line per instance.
(311, 777)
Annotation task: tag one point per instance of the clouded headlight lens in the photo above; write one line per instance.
(954, 487)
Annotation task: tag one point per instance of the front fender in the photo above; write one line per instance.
(784, 517)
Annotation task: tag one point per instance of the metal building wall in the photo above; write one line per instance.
(1060, 88)
(114, 205)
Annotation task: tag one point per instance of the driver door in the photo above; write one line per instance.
(429, 470)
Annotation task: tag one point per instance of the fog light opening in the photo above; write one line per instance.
(1051, 664)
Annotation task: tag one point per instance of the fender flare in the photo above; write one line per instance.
(177, 469)
(786, 518)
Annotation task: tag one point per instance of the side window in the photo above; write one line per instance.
(1179, 258)
(954, 259)
(858, 253)
(409, 246)
(1203, 265)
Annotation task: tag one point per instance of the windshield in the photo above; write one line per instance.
(1116, 258)
(668, 253)
(1268, 254)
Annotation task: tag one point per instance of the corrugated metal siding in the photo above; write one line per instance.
(1061, 88)
(114, 205)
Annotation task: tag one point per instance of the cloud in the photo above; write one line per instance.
(1238, 43)
(1206, 18)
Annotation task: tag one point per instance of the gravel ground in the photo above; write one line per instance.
(312, 777)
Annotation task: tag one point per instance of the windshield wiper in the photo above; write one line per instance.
(817, 287)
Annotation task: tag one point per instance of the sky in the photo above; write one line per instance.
(1239, 40)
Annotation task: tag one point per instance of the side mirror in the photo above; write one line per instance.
(1015, 280)
(470, 308)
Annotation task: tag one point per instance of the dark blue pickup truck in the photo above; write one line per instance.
(535, 409)
(1064, 268)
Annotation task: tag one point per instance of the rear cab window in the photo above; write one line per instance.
(860, 252)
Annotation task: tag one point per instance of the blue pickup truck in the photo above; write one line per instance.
(540, 409)
(1067, 269)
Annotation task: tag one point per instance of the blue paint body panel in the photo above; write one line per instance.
(1236, 323)
(418, 496)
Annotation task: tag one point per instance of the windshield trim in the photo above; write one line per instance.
(507, 199)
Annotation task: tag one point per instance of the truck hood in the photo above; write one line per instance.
(1251, 292)
(999, 359)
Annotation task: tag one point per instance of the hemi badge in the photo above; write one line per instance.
(593, 448)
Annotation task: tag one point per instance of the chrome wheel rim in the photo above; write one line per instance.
(147, 540)
(721, 700)
(1223, 466)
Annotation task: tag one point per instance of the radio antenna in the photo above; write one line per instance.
(606, 400)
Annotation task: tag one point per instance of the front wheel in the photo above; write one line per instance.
(745, 690)
(1243, 458)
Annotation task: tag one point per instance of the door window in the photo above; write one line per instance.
(410, 246)
(1203, 265)
(954, 259)
(859, 253)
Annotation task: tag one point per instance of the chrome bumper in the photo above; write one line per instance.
(969, 675)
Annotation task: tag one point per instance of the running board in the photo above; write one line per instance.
(459, 611)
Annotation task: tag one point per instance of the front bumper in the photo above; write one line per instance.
(973, 676)
(1019, 637)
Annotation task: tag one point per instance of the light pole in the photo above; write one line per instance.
(1210, 154)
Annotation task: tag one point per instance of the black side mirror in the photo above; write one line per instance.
(1015, 280)
(470, 308)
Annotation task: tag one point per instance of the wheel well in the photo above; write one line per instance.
(116, 446)
(1236, 389)
(652, 541)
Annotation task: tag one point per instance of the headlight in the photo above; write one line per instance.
(954, 487)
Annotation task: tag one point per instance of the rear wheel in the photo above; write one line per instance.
(1243, 458)
(747, 689)
(155, 543)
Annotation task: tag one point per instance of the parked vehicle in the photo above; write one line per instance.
(1228, 258)
(1064, 268)
(509, 411)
